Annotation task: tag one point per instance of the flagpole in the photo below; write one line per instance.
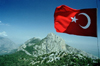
(97, 31)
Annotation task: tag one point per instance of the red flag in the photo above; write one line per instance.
(78, 22)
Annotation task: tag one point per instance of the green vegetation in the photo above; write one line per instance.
(69, 60)
(21, 59)
(15, 59)
(30, 49)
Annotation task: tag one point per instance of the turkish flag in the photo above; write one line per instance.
(78, 22)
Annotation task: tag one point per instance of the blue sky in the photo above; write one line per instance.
(21, 20)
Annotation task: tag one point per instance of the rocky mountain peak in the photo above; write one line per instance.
(52, 36)
(32, 40)
(35, 38)
(54, 43)
(51, 43)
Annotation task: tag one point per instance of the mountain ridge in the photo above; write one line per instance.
(51, 43)
(49, 51)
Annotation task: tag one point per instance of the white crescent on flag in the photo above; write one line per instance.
(89, 21)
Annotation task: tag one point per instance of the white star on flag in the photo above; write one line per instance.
(74, 19)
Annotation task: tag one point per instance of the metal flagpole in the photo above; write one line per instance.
(97, 32)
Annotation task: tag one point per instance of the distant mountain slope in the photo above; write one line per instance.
(6, 45)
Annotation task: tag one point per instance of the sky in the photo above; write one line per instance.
(21, 20)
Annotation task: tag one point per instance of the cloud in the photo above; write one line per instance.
(3, 33)
(4, 24)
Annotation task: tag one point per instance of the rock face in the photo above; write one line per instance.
(77, 51)
(6, 45)
(51, 43)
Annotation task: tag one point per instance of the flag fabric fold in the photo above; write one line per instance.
(78, 22)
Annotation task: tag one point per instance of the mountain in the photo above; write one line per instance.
(51, 43)
(6, 46)
(50, 51)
